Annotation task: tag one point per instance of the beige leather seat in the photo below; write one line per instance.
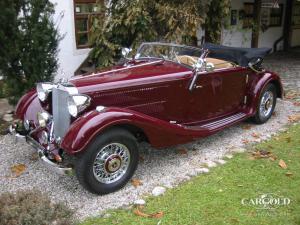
(218, 63)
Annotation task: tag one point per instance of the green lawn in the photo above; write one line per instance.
(215, 198)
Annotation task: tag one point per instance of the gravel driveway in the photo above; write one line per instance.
(166, 167)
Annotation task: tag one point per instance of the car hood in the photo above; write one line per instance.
(141, 72)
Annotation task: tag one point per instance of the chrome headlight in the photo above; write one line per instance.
(43, 118)
(43, 90)
(78, 103)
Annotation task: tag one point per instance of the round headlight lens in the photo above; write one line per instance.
(43, 90)
(78, 103)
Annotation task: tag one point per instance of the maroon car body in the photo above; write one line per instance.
(150, 98)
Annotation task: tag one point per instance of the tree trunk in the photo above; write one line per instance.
(256, 23)
(287, 31)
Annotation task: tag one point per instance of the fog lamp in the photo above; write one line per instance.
(44, 137)
(43, 118)
(26, 125)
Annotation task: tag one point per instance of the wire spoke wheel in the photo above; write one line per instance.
(111, 163)
(266, 104)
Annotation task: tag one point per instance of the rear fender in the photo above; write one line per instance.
(257, 87)
(158, 132)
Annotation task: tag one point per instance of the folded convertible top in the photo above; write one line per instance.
(240, 56)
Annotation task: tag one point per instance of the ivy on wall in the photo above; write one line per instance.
(128, 23)
(217, 13)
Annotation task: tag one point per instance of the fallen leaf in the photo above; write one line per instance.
(259, 154)
(291, 95)
(289, 174)
(182, 151)
(34, 157)
(255, 135)
(136, 182)
(288, 139)
(282, 164)
(245, 141)
(156, 215)
(18, 169)
(273, 158)
(296, 104)
(294, 118)
(141, 158)
(247, 127)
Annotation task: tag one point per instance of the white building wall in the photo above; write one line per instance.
(238, 37)
(69, 58)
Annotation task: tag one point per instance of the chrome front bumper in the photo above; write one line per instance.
(41, 153)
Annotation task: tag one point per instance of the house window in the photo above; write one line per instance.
(296, 15)
(272, 17)
(83, 12)
(276, 16)
(248, 15)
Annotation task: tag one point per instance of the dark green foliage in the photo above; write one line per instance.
(131, 22)
(216, 20)
(29, 41)
(32, 208)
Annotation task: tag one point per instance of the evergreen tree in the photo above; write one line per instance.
(29, 42)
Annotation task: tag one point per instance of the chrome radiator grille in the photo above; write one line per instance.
(61, 116)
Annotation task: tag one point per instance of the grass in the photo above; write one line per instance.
(215, 198)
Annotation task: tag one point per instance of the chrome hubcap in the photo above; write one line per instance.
(266, 104)
(111, 163)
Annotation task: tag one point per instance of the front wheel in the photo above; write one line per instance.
(109, 162)
(266, 104)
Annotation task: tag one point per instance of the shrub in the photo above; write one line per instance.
(32, 208)
(29, 42)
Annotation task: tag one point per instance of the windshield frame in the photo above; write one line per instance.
(136, 57)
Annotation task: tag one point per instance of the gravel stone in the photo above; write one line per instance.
(238, 150)
(140, 202)
(202, 170)
(211, 163)
(229, 156)
(8, 117)
(221, 161)
(158, 191)
(106, 215)
(159, 168)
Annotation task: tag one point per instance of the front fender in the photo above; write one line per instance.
(159, 133)
(258, 85)
(24, 103)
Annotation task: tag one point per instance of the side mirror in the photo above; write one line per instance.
(125, 52)
(209, 67)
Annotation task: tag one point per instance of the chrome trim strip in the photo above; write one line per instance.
(224, 121)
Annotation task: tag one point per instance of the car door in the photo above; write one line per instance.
(217, 94)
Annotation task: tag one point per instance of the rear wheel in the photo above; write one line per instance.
(109, 162)
(266, 104)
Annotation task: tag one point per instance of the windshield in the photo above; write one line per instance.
(178, 53)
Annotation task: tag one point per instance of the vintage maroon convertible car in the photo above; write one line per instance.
(166, 95)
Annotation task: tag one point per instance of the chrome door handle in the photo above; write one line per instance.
(198, 86)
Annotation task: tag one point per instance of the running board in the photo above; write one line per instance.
(216, 125)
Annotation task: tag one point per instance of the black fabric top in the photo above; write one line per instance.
(240, 56)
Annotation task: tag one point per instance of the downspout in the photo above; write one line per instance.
(277, 42)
